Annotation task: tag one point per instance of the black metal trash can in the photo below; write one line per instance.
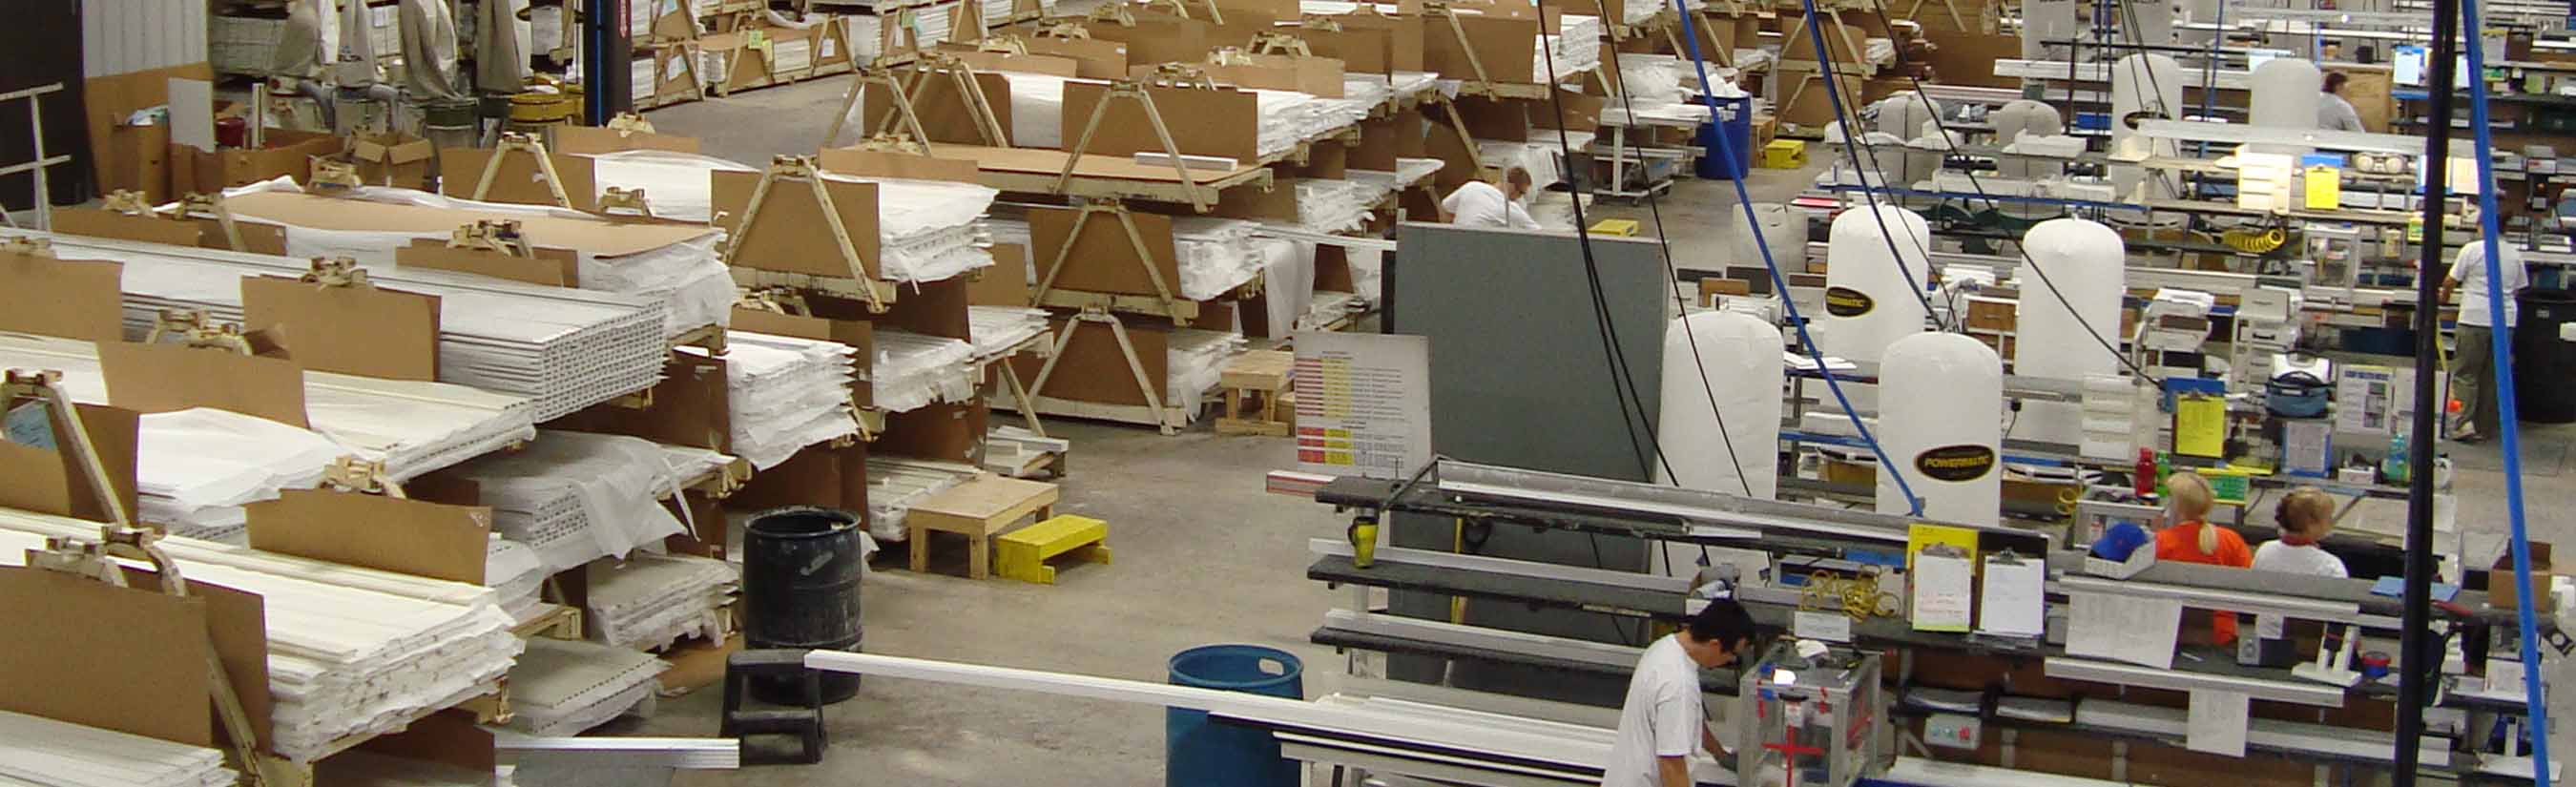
(800, 588)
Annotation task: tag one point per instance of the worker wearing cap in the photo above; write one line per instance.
(1481, 204)
(1661, 723)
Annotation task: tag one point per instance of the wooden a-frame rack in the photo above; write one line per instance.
(792, 170)
(900, 106)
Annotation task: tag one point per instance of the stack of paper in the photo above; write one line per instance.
(515, 575)
(195, 469)
(576, 497)
(1196, 361)
(784, 394)
(566, 687)
(1283, 117)
(566, 349)
(896, 484)
(351, 651)
(654, 600)
(997, 329)
(1381, 183)
(35, 750)
(911, 370)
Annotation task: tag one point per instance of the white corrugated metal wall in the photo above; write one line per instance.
(125, 36)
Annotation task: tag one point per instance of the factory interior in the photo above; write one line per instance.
(1286, 393)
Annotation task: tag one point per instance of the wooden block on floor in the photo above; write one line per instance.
(1261, 379)
(1024, 552)
(978, 510)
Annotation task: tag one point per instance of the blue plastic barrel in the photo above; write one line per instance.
(1202, 753)
(1735, 120)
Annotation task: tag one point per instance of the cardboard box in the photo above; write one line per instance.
(2501, 593)
(288, 154)
(393, 159)
(137, 158)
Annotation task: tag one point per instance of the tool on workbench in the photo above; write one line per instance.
(1363, 535)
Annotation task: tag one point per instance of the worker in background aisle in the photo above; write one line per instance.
(1661, 723)
(2189, 537)
(2473, 363)
(1480, 204)
(2305, 516)
(2334, 113)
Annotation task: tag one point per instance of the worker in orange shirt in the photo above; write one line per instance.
(2189, 537)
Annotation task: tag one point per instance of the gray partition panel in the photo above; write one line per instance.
(1520, 377)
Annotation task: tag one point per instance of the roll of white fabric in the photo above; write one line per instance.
(1940, 422)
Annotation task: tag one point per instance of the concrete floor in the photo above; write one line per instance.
(1203, 556)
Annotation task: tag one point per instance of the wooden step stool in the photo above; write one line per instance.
(977, 509)
(1267, 375)
(1024, 552)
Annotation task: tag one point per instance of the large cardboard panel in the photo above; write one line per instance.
(1093, 370)
(89, 653)
(550, 267)
(54, 481)
(518, 180)
(1202, 122)
(1279, 202)
(98, 223)
(933, 309)
(1007, 61)
(1411, 141)
(1102, 259)
(881, 164)
(414, 537)
(1328, 159)
(1580, 112)
(358, 329)
(941, 431)
(941, 108)
(1376, 149)
(157, 378)
(813, 477)
(1153, 41)
(575, 140)
(1969, 59)
(598, 236)
(691, 406)
(1502, 44)
(1092, 58)
(448, 737)
(1405, 40)
(1610, 11)
(1004, 284)
(1495, 118)
(72, 299)
(1266, 9)
(110, 100)
(136, 158)
(791, 233)
(1361, 50)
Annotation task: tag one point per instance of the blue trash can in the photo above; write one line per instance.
(1735, 120)
(1202, 753)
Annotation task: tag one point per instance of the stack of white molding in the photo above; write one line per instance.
(688, 277)
(1408, 171)
(997, 329)
(352, 652)
(565, 687)
(675, 183)
(925, 228)
(575, 497)
(911, 371)
(1331, 205)
(362, 768)
(653, 600)
(42, 752)
(896, 484)
(1214, 255)
(566, 349)
(194, 469)
(785, 393)
(1195, 363)
(1283, 117)
(515, 575)
(1577, 48)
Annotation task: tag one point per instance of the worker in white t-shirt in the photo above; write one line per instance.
(1661, 722)
(2472, 363)
(2334, 113)
(2305, 516)
(1481, 204)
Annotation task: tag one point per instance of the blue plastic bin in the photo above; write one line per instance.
(1735, 119)
(1202, 753)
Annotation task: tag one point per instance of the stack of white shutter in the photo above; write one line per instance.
(35, 750)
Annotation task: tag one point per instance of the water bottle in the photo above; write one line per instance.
(2392, 468)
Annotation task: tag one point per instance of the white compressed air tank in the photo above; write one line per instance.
(2286, 94)
(1738, 367)
(2147, 86)
(2081, 261)
(1940, 397)
(1782, 229)
(1869, 300)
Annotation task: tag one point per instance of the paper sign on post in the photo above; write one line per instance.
(2218, 722)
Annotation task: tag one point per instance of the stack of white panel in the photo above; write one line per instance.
(351, 651)
(1283, 117)
(566, 349)
(896, 484)
(514, 573)
(38, 751)
(575, 497)
(676, 184)
(566, 687)
(654, 600)
(784, 394)
(926, 228)
(997, 329)
(1214, 255)
(195, 469)
(911, 370)
(688, 278)
(1195, 362)
(1332, 205)
(1577, 48)
(1380, 183)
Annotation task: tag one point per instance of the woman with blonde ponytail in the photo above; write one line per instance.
(2189, 537)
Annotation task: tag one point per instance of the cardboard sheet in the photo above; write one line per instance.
(414, 537)
(943, 111)
(518, 180)
(100, 223)
(1093, 370)
(113, 658)
(1503, 45)
(1504, 120)
(1277, 204)
(1092, 58)
(158, 378)
(358, 329)
(1376, 150)
(1106, 167)
(939, 431)
(577, 140)
(1102, 259)
(791, 233)
(550, 267)
(593, 235)
(1404, 32)
(73, 299)
(879, 164)
(1006, 282)
(692, 406)
(931, 309)
(1202, 122)
(1160, 40)
(1362, 51)
(49, 480)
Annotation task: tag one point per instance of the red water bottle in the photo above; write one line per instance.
(2143, 479)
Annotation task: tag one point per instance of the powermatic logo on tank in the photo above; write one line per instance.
(1847, 302)
(1956, 462)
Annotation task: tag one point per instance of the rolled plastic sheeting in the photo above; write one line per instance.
(2286, 94)
(1721, 412)
(2082, 261)
(1938, 422)
(1869, 300)
(2149, 86)
(1782, 229)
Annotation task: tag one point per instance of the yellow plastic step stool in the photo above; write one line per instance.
(1784, 154)
(1625, 228)
(1023, 553)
